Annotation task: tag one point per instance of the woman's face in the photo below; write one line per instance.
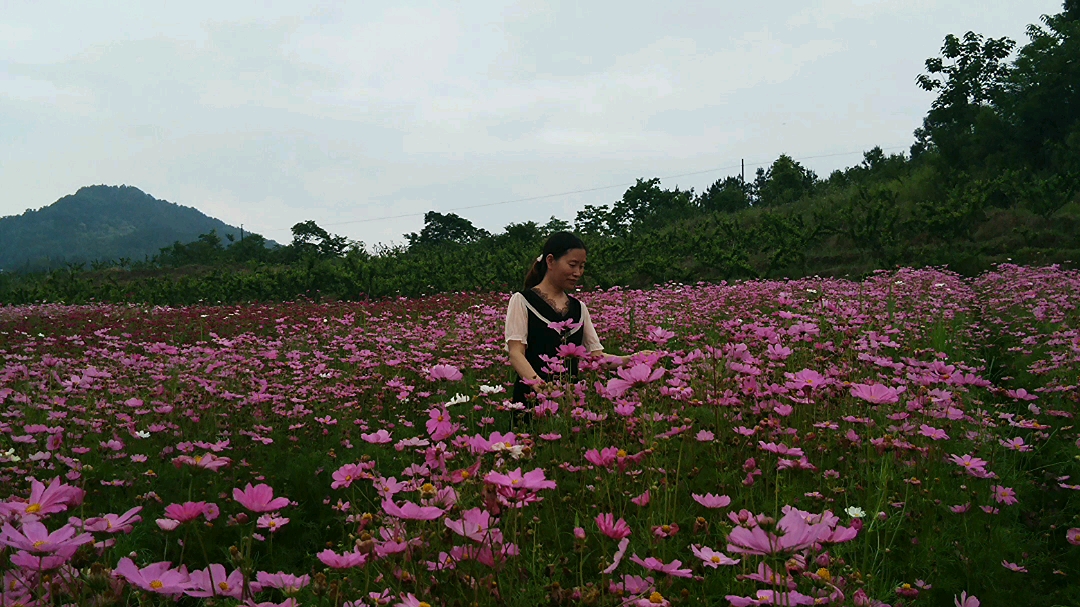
(565, 272)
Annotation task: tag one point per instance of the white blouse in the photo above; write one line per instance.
(517, 325)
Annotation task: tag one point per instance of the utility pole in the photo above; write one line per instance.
(742, 174)
(241, 232)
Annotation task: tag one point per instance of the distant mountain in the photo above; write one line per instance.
(99, 223)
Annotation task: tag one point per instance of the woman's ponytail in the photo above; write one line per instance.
(557, 245)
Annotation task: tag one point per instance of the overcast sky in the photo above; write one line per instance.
(270, 113)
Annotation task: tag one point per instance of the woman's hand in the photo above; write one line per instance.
(538, 386)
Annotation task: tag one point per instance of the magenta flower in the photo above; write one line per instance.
(932, 432)
(640, 373)
(673, 568)
(447, 372)
(345, 475)
(711, 501)
(208, 461)
(1014, 567)
(533, 480)
(35, 537)
(1073, 536)
(112, 523)
(259, 498)
(616, 530)
(619, 554)
(604, 457)
(474, 524)
(342, 561)
(55, 497)
(377, 438)
(213, 581)
(286, 582)
(966, 600)
(157, 577)
(877, 394)
(712, 558)
(411, 511)
(439, 425)
(189, 511)
(643, 499)
(272, 521)
(1004, 495)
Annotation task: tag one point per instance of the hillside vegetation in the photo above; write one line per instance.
(993, 176)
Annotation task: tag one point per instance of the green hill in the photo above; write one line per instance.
(100, 223)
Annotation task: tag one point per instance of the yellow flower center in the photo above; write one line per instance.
(465, 474)
(33, 508)
(156, 584)
(715, 559)
(665, 528)
(656, 598)
(621, 453)
(198, 458)
(39, 544)
(515, 481)
(824, 574)
(224, 586)
(423, 604)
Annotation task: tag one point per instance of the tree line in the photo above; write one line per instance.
(993, 176)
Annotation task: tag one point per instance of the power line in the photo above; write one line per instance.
(586, 190)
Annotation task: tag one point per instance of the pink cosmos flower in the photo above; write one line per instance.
(711, 501)
(273, 522)
(214, 581)
(972, 465)
(642, 500)
(345, 475)
(807, 379)
(616, 530)
(259, 498)
(411, 511)
(55, 497)
(673, 568)
(877, 394)
(619, 554)
(112, 523)
(474, 524)
(704, 436)
(439, 424)
(604, 457)
(966, 600)
(1004, 495)
(712, 558)
(1015, 444)
(342, 561)
(36, 562)
(409, 600)
(157, 577)
(377, 438)
(1014, 567)
(447, 372)
(286, 582)
(640, 373)
(532, 480)
(189, 511)
(1073, 536)
(35, 537)
(208, 461)
(932, 432)
(766, 596)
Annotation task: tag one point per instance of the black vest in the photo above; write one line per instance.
(542, 340)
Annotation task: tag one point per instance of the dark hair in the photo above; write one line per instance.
(557, 244)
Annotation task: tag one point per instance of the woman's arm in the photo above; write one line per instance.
(617, 359)
(520, 363)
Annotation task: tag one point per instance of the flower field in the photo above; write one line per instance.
(907, 439)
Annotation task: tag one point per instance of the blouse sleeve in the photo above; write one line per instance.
(517, 321)
(592, 340)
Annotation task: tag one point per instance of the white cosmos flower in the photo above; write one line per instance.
(492, 389)
(458, 399)
(855, 512)
(142, 434)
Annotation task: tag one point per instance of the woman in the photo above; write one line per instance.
(543, 301)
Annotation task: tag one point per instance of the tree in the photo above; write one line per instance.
(785, 181)
(593, 220)
(310, 239)
(448, 228)
(646, 204)
(970, 78)
(726, 195)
